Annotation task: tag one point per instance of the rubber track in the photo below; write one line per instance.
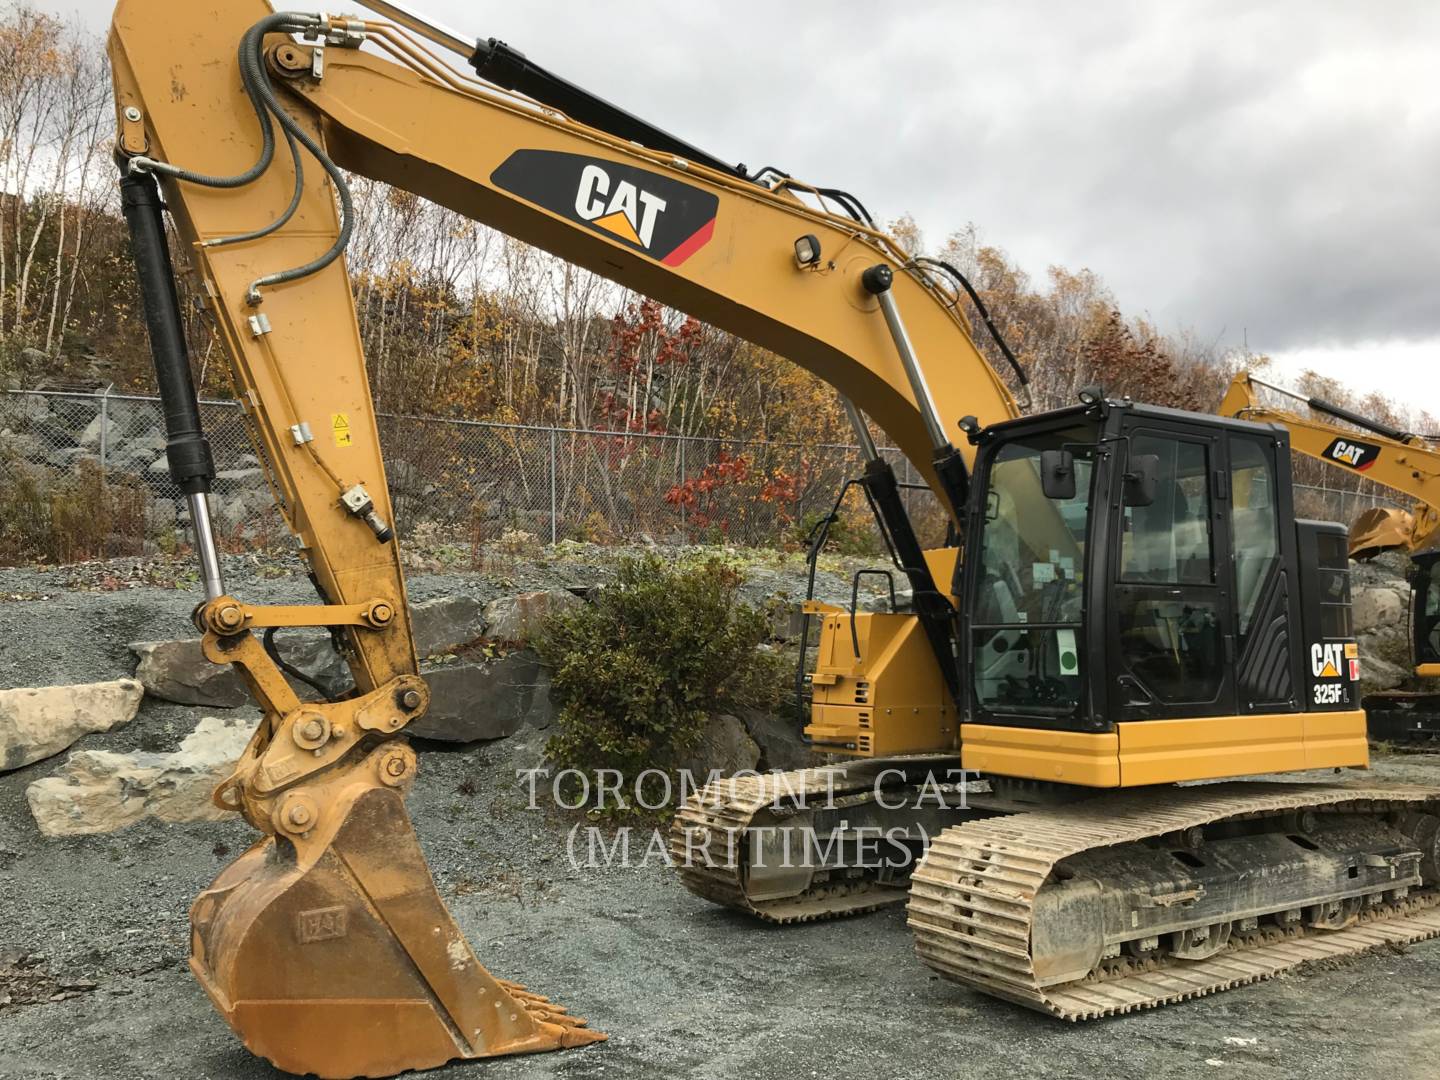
(711, 864)
(972, 895)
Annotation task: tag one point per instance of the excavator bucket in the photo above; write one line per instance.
(1381, 528)
(343, 961)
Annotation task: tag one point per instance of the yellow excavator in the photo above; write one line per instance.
(1407, 463)
(1136, 607)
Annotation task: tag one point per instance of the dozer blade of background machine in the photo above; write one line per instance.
(330, 951)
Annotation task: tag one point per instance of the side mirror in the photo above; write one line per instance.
(1143, 479)
(1057, 474)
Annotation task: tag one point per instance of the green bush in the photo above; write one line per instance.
(853, 532)
(638, 671)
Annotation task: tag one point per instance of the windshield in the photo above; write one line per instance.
(1029, 601)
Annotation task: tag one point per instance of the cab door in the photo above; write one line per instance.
(1171, 625)
(1262, 570)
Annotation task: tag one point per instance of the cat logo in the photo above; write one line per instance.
(1352, 453)
(648, 212)
(1326, 661)
(629, 213)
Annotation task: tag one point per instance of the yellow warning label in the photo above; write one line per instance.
(1352, 651)
(1329, 671)
(340, 428)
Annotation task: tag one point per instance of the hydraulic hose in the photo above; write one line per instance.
(961, 280)
(266, 230)
(249, 46)
(267, 110)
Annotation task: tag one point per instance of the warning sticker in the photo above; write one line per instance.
(340, 428)
(1351, 650)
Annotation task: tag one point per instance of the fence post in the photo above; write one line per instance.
(554, 522)
(682, 482)
(104, 427)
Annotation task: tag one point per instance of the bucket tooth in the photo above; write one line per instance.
(341, 960)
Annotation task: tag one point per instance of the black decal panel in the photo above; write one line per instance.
(645, 211)
(1352, 453)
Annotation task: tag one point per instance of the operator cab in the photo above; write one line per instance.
(1133, 563)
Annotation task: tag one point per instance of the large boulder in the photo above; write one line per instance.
(543, 706)
(488, 700)
(244, 480)
(724, 745)
(102, 428)
(100, 792)
(518, 619)
(1376, 607)
(780, 739)
(22, 444)
(32, 407)
(1378, 675)
(138, 450)
(136, 418)
(445, 623)
(178, 671)
(311, 651)
(35, 723)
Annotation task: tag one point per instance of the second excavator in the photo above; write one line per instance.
(1407, 463)
(1128, 604)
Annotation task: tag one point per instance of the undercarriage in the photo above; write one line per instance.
(1078, 903)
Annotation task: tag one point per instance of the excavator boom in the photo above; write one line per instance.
(1400, 460)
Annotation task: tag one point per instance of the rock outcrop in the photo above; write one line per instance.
(36, 723)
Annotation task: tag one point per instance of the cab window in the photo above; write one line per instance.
(1168, 607)
(1254, 524)
(1028, 611)
(1168, 542)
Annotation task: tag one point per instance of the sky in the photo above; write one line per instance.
(1262, 175)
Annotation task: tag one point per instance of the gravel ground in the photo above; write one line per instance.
(684, 989)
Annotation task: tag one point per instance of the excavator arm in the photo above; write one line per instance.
(326, 945)
(1405, 462)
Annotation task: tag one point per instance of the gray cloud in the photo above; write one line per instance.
(1225, 166)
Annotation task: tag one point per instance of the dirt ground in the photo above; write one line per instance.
(683, 989)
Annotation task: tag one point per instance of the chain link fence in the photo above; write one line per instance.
(84, 476)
